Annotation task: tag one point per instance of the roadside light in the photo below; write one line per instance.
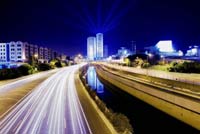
(35, 55)
(80, 56)
(150, 55)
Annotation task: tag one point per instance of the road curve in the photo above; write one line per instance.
(52, 108)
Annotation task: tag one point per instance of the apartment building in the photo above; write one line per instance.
(3, 52)
(17, 52)
(12, 52)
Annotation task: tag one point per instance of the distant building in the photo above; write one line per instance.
(35, 50)
(3, 53)
(99, 38)
(123, 52)
(14, 53)
(105, 51)
(27, 54)
(194, 51)
(46, 55)
(41, 54)
(165, 49)
(91, 48)
(165, 46)
(50, 55)
(95, 48)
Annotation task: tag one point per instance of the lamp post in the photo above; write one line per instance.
(163, 59)
(34, 61)
(149, 55)
(36, 57)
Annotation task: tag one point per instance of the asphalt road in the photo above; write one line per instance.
(8, 85)
(52, 108)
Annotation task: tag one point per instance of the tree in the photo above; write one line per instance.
(138, 62)
(25, 69)
(44, 67)
(127, 61)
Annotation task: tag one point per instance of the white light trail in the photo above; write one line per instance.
(52, 108)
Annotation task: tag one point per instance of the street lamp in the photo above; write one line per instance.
(149, 55)
(163, 59)
(36, 57)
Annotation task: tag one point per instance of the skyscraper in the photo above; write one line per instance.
(105, 51)
(99, 37)
(95, 47)
(91, 48)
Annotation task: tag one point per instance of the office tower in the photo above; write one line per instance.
(99, 39)
(91, 48)
(105, 51)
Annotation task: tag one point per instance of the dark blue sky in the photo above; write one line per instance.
(64, 25)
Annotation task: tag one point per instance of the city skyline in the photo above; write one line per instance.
(58, 23)
(95, 47)
(99, 67)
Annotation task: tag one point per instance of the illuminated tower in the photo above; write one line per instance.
(91, 48)
(99, 37)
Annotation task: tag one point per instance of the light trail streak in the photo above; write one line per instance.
(24, 80)
(52, 108)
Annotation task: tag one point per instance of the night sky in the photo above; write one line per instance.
(64, 25)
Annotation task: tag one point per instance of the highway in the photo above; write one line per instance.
(52, 108)
(182, 77)
(12, 84)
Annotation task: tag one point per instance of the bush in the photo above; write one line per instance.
(44, 67)
(58, 64)
(145, 65)
(9, 73)
(185, 67)
(25, 69)
(121, 123)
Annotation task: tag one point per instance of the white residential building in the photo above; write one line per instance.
(12, 52)
(17, 51)
(3, 52)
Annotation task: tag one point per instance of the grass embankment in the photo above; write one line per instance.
(178, 84)
(161, 67)
(119, 121)
(10, 98)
